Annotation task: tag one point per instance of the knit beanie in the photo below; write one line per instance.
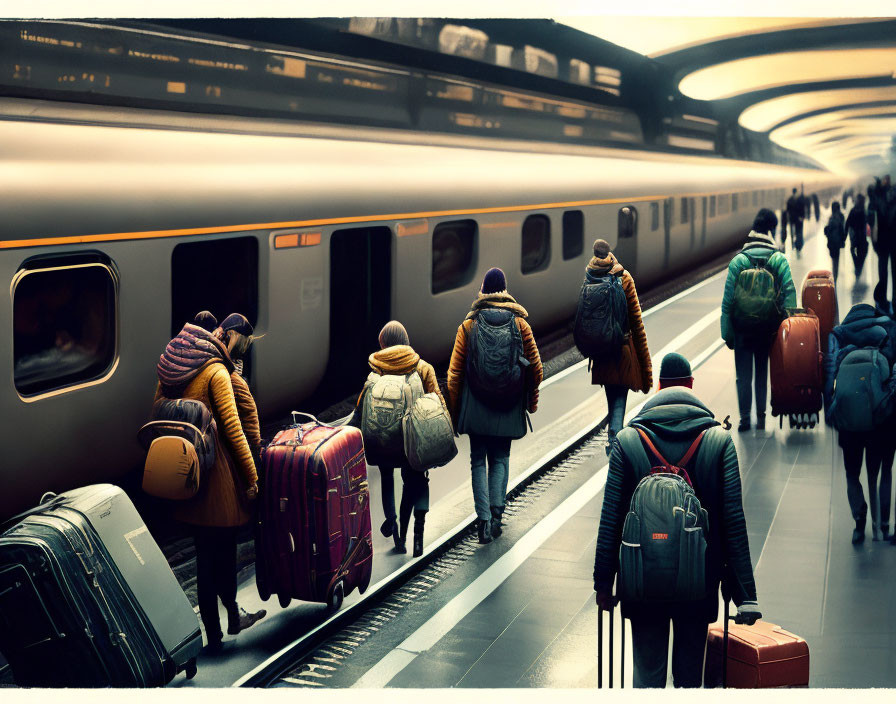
(675, 366)
(393, 333)
(206, 320)
(238, 323)
(494, 281)
(601, 249)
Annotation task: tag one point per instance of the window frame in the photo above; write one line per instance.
(654, 216)
(634, 219)
(470, 273)
(546, 264)
(34, 267)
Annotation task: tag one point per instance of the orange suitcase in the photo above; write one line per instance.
(820, 296)
(795, 367)
(759, 656)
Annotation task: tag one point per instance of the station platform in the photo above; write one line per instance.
(520, 612)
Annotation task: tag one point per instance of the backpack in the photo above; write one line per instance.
(428, 434)
(180, 443)
(388, 399)
(601, 325)
(662, 555)
(861, 394)
(495, 361)
(754, 307)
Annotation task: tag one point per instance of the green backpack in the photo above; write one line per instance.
(754, 308)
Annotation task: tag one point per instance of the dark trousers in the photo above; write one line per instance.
(745, 358)
(650, 651)
(796, 234)
(616, 397)
(835, 261)
(215, 574)
(859, 252)
(878, 449)
(886, 255)
(414, 492)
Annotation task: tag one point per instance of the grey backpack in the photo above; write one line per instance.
(388, 400)
(663, 553)
(428, 434)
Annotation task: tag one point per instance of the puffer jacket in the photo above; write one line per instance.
(398, 359)
(469, 414)
(673, 418)
(758, 245)
(248, 413)
(195, 365)
(863, 326)
(634, 368)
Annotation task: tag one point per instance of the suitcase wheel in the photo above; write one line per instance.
(334, 598)
(284, 600)
(191, 669)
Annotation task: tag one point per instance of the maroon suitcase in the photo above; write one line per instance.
(820, 296)
(313, 534)
(795, 366)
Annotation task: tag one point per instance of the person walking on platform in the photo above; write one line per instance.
(673, 424)
(859, 403)
(858, 239)
(783, 229)
(397, 360)
(885, 214)
(630, 367)
(835, 232)
(493, 381)
(196, 365)
(758, 290)
(795, 215)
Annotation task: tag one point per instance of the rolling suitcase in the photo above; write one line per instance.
(795, 369)
(758, 656)
(87, 598)
(820, 296)
(313, 536)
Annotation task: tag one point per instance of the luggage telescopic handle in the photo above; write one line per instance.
(307, 415)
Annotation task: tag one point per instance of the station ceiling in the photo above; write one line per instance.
(823, 87)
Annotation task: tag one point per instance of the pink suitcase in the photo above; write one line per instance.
(313, 534)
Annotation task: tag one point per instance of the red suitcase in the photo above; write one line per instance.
(759, 656)
(313, 535)
(820, 296)
(795, 367)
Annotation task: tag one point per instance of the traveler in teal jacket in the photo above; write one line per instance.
(752, 348)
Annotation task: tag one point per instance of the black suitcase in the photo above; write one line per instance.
(87, 598)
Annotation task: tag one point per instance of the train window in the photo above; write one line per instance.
(755, 197)
(712, 206)
(536, 249)
(219, 275)
(64, 326)
(628, 222)
(654, 217)
(453, 254)
(733, 202)
(573, 234)
(684, 210)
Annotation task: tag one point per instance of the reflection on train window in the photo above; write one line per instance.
(684, 210)
(628, 222)
(64, 326)
(712, 206)
(453, 254)
(220, 275)
(536, 249)
(573, 234)
(654, 217)
(755, 197)
(733, 202)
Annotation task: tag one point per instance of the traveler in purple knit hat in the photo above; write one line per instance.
(493, 380)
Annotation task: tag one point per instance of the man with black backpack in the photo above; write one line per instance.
(493, 380)
(758, 290)
(683, 535)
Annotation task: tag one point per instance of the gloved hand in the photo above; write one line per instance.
(605, 600)
(748, 613)
(252, 491)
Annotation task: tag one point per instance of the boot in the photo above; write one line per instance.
(858, 535)
(885, 530)
(760, 421)
(875, 533)
(484, 530)
(238, 619)
(744, 425)
(402, 539)
(214, 636)
(497, 512)
(390, 527)
(419, 521)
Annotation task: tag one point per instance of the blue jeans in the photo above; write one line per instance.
(616, 397)
(489, 488)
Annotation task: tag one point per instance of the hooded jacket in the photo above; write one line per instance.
(757, 245)
(634, 368)
(673, 418)
(468, 413)
(195, 365)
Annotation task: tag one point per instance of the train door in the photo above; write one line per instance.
(218, 275)
(360, 303)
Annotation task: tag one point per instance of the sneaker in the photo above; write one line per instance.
(858, 535)
(484, 531)
(215, 645)
(240, 620)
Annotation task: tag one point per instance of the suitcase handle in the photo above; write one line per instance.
(295, 414)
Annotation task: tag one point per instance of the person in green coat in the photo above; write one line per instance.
(752, 345)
